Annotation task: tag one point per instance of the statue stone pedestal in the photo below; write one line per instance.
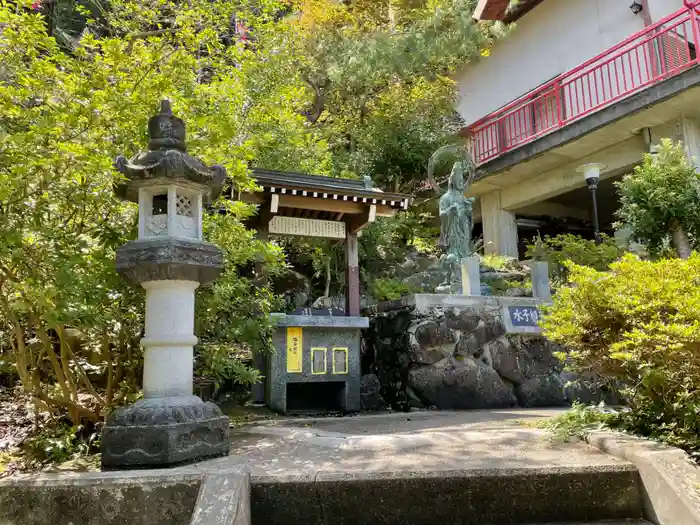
(169, 260)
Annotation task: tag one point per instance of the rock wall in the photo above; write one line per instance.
(460, 357)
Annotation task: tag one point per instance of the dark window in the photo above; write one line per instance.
(160, 204)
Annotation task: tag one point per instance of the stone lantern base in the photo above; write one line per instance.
(163, 432)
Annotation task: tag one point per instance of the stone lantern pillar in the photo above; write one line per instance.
(169, 260)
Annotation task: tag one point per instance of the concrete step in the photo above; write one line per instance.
(571, 495)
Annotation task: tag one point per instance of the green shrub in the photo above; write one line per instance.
(390, 289)
(566, 247)
(501, 286)
(222, 363)
(579, 421)
(638, 327)
(498, 262)
(61, 442)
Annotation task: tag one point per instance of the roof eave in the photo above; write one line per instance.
(498, 10)
(321, 184)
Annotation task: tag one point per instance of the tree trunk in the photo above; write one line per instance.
(680, 239)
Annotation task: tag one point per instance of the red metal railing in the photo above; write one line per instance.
(660, 51)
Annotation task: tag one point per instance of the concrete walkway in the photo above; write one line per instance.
(418, 442)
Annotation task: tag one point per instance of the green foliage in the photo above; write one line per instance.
(660, 197)
(637, 327)
(497, 262)
(559, 250)
(390, 289)
(222, 363)
(579, 421)
(8, 372)
(62, 442)
(343, 89)
(234, 311)
(501, 286)
(385, 244)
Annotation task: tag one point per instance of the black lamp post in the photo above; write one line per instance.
(591, 172)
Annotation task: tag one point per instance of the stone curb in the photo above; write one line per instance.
(576, 494)
(671, 481)
(223, 499)
(216, 492)
(417, 476)
(415, 413)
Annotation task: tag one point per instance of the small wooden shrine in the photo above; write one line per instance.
(316, 206)
(316, 364)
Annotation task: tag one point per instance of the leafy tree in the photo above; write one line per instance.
(379, 72)
(64, 115)
(661, 200)
(349, 89)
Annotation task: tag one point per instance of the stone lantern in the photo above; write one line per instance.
(169, 260)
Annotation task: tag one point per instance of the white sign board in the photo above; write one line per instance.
(307, 227)
(521, 319)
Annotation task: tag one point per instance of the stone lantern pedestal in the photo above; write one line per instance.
(169, 260)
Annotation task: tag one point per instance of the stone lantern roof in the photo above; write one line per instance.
(167, 160)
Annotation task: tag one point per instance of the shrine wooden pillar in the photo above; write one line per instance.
(352, 273)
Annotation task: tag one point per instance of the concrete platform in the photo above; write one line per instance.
(412, 442)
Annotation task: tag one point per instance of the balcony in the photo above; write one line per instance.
(659, 52)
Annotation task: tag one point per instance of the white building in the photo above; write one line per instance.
(576, 82)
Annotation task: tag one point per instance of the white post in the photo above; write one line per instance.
(539, 271)
(169, 338)
(471, 277)
(172, 213)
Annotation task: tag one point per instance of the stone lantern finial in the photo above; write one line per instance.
(167, 158)
(166, 130)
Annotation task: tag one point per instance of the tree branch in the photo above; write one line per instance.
(319, 102)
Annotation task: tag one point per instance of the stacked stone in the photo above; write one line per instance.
(462, 358)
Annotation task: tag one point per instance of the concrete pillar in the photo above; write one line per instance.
(691, 139)
(500, 230)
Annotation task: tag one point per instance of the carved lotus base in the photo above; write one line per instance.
(164, 432)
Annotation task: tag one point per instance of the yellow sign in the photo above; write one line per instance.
(294, 350)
